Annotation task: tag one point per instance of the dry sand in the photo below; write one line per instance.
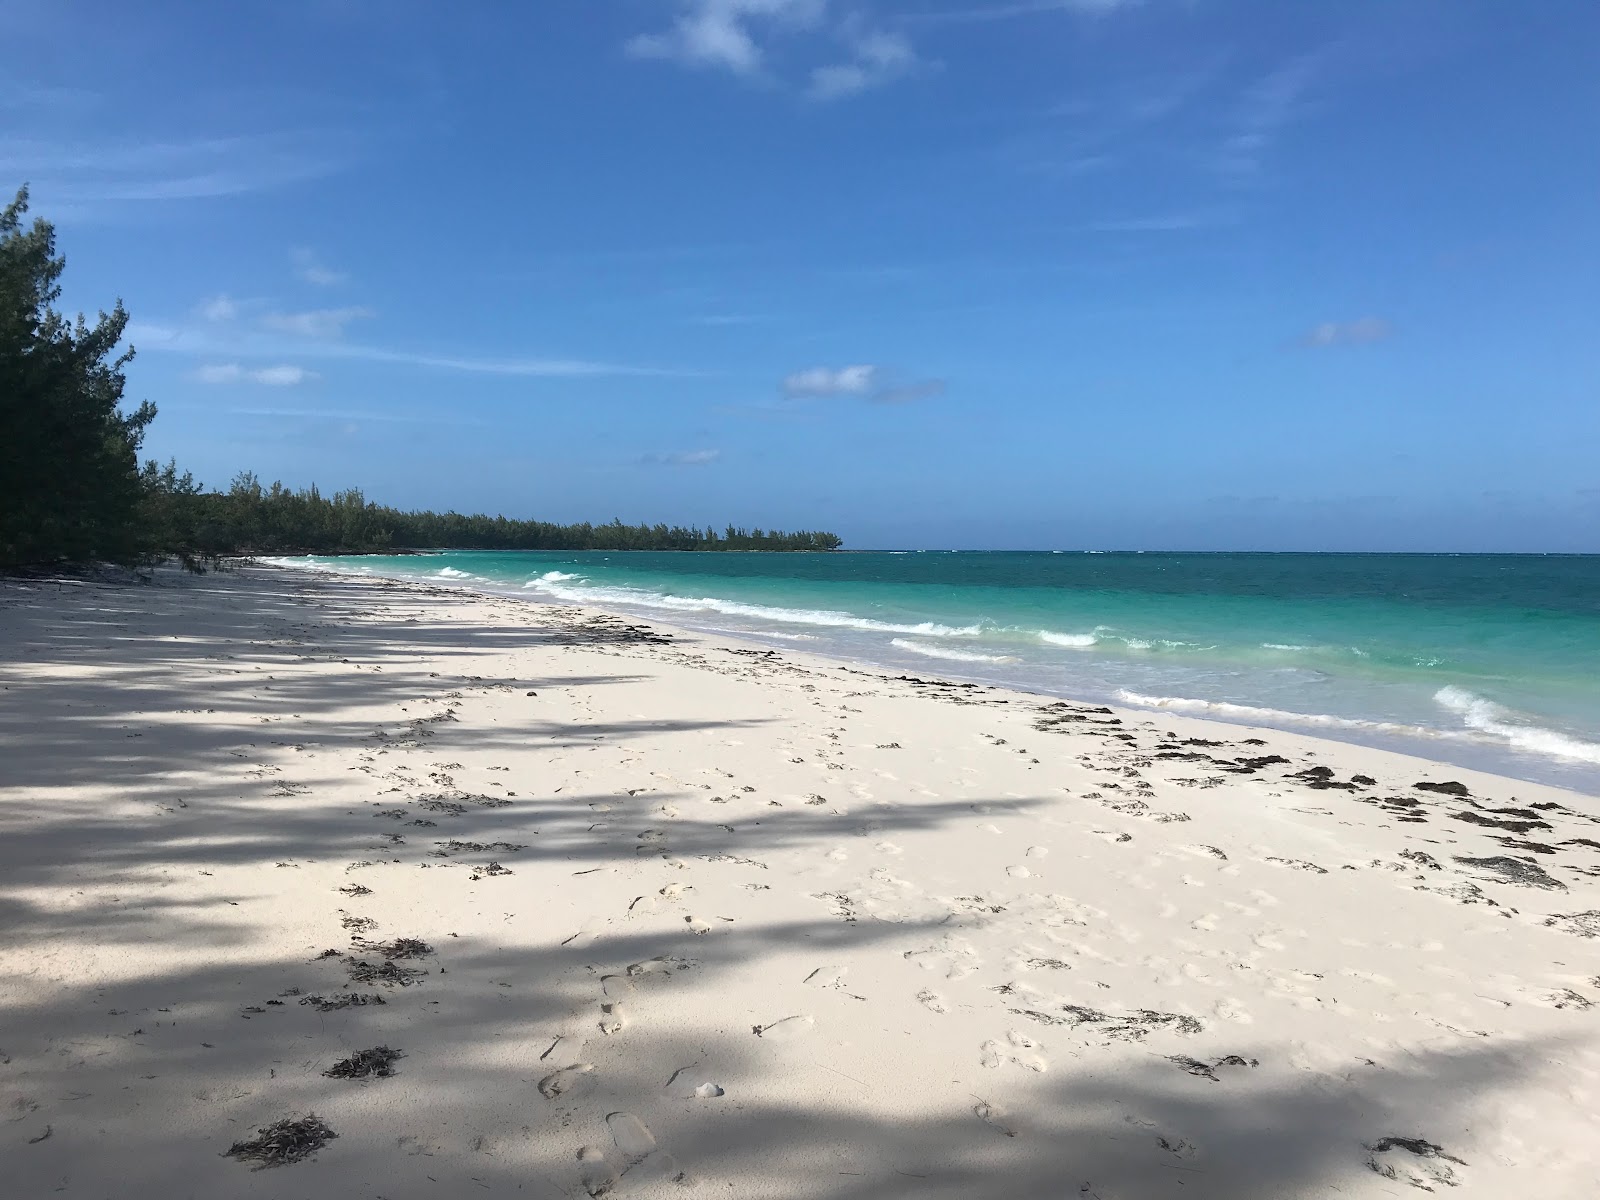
(698, 919)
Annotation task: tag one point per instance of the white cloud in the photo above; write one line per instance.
(1361, 332)
(828, 381)
(318, 323)
(876, 58)
(219, 308)
(866, 382)
(312, 270)
(1029, 8)
(279, 376)
(718, 33)
(282, 376)
(735, 36)
(682, 458)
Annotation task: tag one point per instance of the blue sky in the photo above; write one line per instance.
(1179, 273)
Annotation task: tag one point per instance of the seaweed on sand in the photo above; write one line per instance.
(377, 1061)
(290, 1140)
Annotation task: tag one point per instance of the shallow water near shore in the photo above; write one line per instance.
(1488, 661)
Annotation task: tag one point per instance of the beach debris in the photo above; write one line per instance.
(446, 849)
(1521, 872)
(1426, 1168)
(355, 889)
(1298, 864)
(439, 804)
(363, 1064)
(1204, 1070)
(1584, 924)
(1475, 818)
(342, 1000)
(1135, 1026)
(50, 1129)
(290, 1140)
(1448, 788)
(406, 947)
(389, 974)
(493, 868)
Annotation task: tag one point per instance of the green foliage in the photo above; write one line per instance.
(72, 490)
(69, 471)
(251, 519)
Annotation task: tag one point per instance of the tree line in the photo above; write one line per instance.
(72, 488)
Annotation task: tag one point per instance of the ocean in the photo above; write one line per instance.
(1485, 661)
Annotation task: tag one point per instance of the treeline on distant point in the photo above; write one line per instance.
(251, 519)
(72, 488)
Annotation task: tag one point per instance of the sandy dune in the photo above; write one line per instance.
(653, 914)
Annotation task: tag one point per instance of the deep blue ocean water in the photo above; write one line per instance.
(1484, 660)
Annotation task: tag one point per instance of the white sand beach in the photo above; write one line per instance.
(692, 917)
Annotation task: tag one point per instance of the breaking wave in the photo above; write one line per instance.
(1485, 716)
(950, 653)
(574, 590)
(1073, 641)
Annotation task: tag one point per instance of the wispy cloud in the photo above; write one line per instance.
(324, 414)
(279, 376)
(1028, 8)
(723, 33)
(737, 35)
(876, 58)
(681, 458)
(317, 323)
(1363, 331)
(74, 175)
(219, 308)
(311, 269)
(863, 381)
(830, 381)
(1266, 108)
(203, 341)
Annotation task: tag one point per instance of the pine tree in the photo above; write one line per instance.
(69, 468)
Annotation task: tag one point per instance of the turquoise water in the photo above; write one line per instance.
(1487, 661)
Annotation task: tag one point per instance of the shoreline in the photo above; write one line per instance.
(1478, 755)
(647, 912)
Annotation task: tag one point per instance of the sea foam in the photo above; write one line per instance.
(575, 590)
(947, 652)
(1073, 641)
(1496, 720)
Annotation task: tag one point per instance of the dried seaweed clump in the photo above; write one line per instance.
(406, 947)
(361, 971)
(363, 1064)
(342, 1000)
(290, 1140)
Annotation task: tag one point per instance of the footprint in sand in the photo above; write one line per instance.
(1018, 872)
(1036, 851)
(931, 1001)
(1018, 1049)
(613, 1019)
(595, 1172)
(785, 1029)
(953, 958)
(991, 1115)
(634, 1142)
(561, 1082)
